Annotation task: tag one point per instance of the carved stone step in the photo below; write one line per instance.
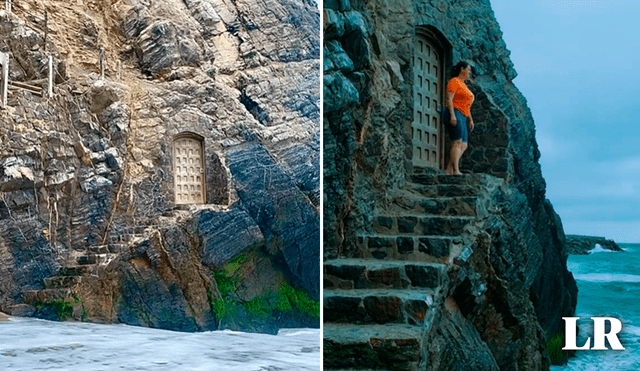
(78, 270)
(116, 248)
(444, 190)
(346, 274)
(124, 238)
(86, 259)
(372, 347)
(58, 282)
(407, 247)
(99, 259)
(47, 296)
(98, 249)
(137, 236)
(418, 224)
(444, 206)
(430, 177)
(367, 307)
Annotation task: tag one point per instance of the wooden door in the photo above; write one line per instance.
(188, 171)
(427, 91)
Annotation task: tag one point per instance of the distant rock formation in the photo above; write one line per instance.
(205, 100)
(582, 245)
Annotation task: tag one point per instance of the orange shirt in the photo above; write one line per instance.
(463, 97)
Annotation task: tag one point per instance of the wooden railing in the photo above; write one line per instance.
(5, 83)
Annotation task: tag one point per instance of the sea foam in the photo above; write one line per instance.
(607, 277)
(599, 248)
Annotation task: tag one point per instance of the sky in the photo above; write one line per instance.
(578, 65)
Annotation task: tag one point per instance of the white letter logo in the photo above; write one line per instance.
(570, 334)
(598, 334)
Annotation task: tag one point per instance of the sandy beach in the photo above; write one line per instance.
(4, 317)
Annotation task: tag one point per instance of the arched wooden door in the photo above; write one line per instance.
(188, 172)
(428, 80)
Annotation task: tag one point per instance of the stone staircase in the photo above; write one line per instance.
(80, 267)
(59, 289)
(379, 305)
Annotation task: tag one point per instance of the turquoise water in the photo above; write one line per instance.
(609, 286)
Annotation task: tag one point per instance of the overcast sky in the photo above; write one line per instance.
(578, 65)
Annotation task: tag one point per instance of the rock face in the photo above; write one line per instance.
(282, 211)
(203, 100)
(581, 245)
(496, 245)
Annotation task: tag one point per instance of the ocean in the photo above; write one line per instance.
(608, 286)
(31, 344)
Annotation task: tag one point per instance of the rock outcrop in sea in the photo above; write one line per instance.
(582, 245)
(172, 180)
(423, 270)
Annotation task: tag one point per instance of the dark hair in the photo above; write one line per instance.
(458, 67)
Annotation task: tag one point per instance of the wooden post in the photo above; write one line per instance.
(46, 28)
(102, 62)
(7, 6)
(50, 85)
(4, 78)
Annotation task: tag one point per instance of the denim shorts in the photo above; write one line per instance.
(460, 131)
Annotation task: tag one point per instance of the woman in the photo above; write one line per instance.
(458, 114)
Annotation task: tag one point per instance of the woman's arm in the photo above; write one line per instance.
(450, 95)
(470, 123)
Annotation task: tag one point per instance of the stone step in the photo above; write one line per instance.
(86, 259)
(419, 224)
(126, 237)
(411, 202)
(407, 246)
(95, 258)
(348, 274)
(379, 306)
(98, 249)
(58, 282)
(116, 248)
(138, 236)
(47, 296)
(444, 190)
(77, 270)
(430, 177)
(373, 347)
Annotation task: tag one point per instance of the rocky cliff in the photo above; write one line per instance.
(581, 245)
(93, 223)
(491, 253)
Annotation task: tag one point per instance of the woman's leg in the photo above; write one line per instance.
(453, 168)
